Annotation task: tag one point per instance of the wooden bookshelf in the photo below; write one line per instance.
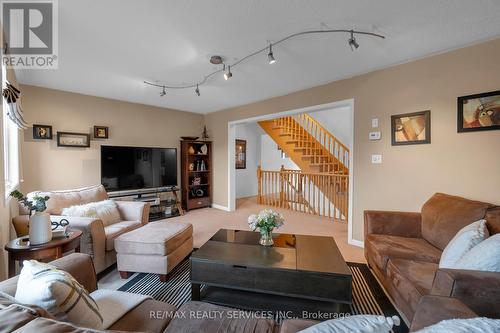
(196, 165)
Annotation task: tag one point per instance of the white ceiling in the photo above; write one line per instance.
(108, 48)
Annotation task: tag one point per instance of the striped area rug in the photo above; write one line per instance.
(368, 297)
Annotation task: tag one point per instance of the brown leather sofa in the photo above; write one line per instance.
(403, 249)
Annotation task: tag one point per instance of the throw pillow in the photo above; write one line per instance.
(59, 293)
(473, 325)
(485, 256)
(355, 324)
(468, 237)
(106, 210)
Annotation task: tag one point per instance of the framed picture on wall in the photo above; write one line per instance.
(68, 139)
(42, 132)
(241, 154)
(480, 112)
(411, 128)
(101, 132)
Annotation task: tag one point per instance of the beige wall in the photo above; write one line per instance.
(466, 164)
(48, 167)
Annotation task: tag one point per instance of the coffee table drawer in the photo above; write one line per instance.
(276, 281)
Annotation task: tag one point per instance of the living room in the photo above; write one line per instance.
(202, 170)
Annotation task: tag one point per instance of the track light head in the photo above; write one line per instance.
(228, 74)
(163, 92)
(270, 55)
(197, 90)
(352, 42)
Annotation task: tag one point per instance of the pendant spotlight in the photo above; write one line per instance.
(270, 55)
(218, 60)
(352, 42)
(228, 74)
(163, 92)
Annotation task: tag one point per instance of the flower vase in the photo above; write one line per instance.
(40, 228)
(266, 238)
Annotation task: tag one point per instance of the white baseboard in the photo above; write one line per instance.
(356, 243)
(216, 206)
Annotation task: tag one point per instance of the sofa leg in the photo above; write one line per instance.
(125, 275)
(163, 277)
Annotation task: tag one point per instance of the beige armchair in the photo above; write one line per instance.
(97, 239)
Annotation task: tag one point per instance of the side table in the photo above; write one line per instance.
(20, 249)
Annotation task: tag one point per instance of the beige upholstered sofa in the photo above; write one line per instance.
(97, 239)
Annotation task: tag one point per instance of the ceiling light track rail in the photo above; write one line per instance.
(228, 74)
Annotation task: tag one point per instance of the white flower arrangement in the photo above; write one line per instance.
(266, 220)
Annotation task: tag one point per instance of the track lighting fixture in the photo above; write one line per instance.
(352, 41)
(228, 74)
(270, 55)
(219, 60)
(163, 92)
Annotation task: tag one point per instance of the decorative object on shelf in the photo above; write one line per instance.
(241, 154)
(191, 166)
(271, 59)
(200, 192)
(40, 226)
(203, 150)
(190, 138)
(42, 132)
(411, 128)
(69, 139)
(480, 112)
(191, 150)
(14, 111)
(204, 135)
(266, 221)
(101, 132)
(196, 181)
(202, 166)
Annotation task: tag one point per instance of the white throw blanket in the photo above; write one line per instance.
(114, 304)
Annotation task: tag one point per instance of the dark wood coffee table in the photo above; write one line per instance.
(299, 273)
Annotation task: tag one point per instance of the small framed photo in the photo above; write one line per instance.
(42, 132)
(480, 112)
(411, 128)
(241, 154)
(101, 132)
(68, 139)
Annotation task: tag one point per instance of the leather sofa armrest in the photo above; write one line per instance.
(479, 290)
(433, 309)
(404, 224)
(21, 224)
(81, 267)
(93, 239)
(134, 211)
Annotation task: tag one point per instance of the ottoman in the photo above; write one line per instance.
(155, 248)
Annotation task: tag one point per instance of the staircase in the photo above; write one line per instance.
(321, 186)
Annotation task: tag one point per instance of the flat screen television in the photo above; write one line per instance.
(131, 168)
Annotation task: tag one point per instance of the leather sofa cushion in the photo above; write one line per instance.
(493, 220)
(155, 238)
(296, 325)
(62, 199)
(222, 320)
(444, 215)
(412, 279)
(381, 248)
(149, 316)
(112, 231)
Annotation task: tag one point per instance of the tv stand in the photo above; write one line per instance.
(164, 201)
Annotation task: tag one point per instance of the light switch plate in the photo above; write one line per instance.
(374, 122)
(376, 159)
(375, 136)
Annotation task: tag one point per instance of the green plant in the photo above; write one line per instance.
(37, 203)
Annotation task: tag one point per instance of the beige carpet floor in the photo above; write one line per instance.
(207, 221)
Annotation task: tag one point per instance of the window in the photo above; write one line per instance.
(10, 152)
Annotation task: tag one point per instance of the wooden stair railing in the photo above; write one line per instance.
(312, 193)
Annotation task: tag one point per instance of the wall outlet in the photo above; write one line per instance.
(376, 159)
(375, 136)
(374, 122)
